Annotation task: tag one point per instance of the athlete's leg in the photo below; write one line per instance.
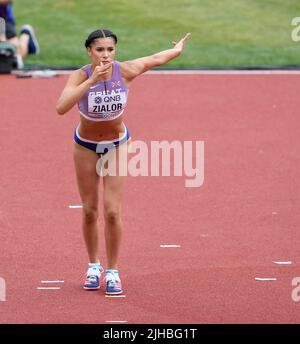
(88, 183)
(113, 190)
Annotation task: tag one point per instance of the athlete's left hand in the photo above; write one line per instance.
(180, 45)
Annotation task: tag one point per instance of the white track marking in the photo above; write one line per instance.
(265, 279)
(75, 206)
(225, 72)
(57, 281)
(203, 72)
(170, 246)
(48, 288)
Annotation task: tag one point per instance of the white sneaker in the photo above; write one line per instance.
(92, 281)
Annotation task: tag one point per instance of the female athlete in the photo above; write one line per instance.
(100, 90)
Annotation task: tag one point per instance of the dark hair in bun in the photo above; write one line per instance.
(100, 33)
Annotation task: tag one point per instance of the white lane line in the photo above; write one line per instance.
(75, 206)
(116, 321)
(57, 281)
(48, 288)
(195, 72)
(115, 296)
(265, 279)
(169, 246)
(225, 72)
(282, 263)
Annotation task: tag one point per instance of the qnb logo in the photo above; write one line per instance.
(296, 31)
(296, 291)
(2, 289)
(98, 100)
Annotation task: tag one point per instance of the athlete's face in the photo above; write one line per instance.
(102, 50)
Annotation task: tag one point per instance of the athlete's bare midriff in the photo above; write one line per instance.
(101, 131)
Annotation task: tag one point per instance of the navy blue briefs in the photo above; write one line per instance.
(102, 147)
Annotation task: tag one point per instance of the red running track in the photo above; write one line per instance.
(231, 229)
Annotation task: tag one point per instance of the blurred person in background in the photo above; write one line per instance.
(26, 42)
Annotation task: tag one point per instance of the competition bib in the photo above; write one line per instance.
(100, 104)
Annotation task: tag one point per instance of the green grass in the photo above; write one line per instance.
(224, 32)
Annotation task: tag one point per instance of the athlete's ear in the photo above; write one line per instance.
(89, 51)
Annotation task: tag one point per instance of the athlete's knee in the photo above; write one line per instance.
(90, 214)
(112, 215)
